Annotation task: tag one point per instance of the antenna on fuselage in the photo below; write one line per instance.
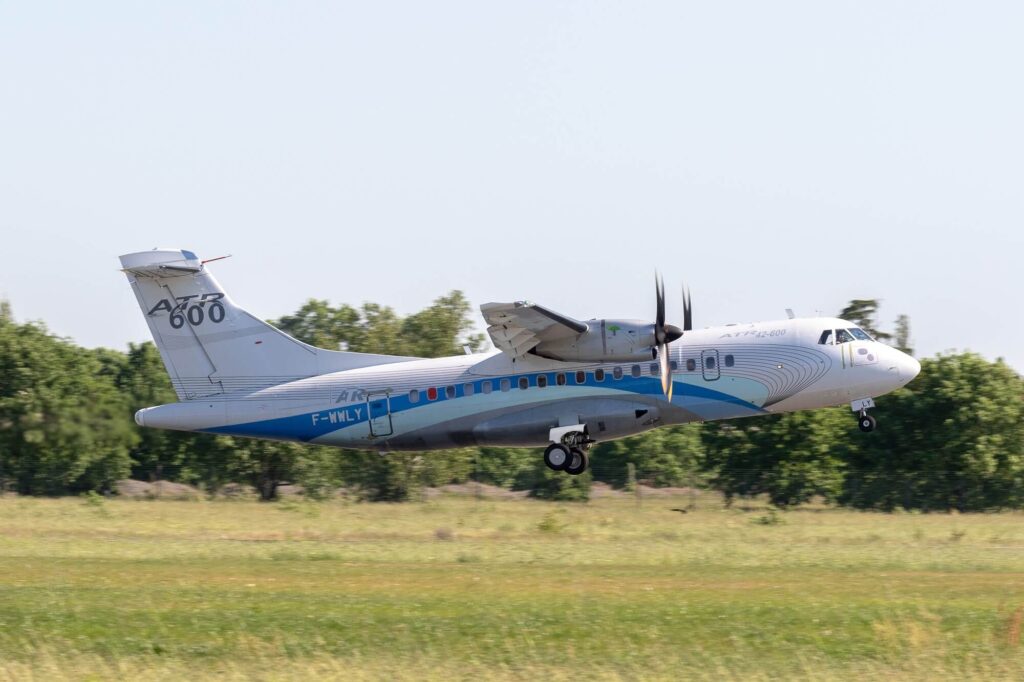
(790, 314)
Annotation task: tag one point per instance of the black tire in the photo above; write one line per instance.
(578, 462)
(557, 457)
(866, 423)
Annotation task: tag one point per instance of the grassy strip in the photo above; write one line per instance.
(458, 588)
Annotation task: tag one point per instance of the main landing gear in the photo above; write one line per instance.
(569, 451)
(573, 461)
(865, 422)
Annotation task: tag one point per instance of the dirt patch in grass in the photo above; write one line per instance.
(141, 490)
(492, 492)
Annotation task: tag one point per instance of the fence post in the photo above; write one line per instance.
(631, 481)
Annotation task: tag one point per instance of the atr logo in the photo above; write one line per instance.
(192, 309)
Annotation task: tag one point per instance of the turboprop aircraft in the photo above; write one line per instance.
(552, 380)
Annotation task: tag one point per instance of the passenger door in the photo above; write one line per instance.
(709, 365)
(378, 410)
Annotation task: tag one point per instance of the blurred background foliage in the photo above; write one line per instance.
(952, 439)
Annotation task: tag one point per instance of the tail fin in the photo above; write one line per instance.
(209, 345)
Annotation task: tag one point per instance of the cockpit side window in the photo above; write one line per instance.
(843, 336)
(860, 334)
(826, 338)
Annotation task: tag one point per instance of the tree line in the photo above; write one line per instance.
(952, 439)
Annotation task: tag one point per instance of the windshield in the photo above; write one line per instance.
(843, 336)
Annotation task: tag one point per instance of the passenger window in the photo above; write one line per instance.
(843, 336)
(617, 373)
(414, 396)
(598, 375)
(655, 369)
(468, 390)
(486, 387)
(581, 378)
(691, 365)
(860, 334)
(431, 393)
(674, 365)
(729, 361)
(449, 392)
(542, 380)
(524, 383)
(826, 338)
(709, 362)
(560, 378)
(635, 371)
(505, 385)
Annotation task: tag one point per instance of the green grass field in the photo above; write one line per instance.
(503, 589)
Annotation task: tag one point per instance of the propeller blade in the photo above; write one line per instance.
(659, 318)
(666, 370)
(664, 334)
(687, 310)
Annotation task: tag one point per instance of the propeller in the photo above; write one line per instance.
(687, 310)
(664, 334)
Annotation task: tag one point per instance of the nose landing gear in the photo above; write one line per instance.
(865, 422)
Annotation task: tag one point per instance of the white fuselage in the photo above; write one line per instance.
(491, 399)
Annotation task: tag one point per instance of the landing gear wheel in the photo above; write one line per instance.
(557, 457)
(578, 462)
(866, 423)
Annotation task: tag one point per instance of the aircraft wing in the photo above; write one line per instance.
(515, 328)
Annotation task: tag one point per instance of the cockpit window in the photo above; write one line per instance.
(860, 334)
(843, 336)
(826, 338)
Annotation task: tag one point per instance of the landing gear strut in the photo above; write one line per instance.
(568, 452)
(865, 422)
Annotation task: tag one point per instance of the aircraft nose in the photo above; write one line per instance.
(908, 366)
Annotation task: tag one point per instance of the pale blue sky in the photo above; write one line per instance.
(772, 154)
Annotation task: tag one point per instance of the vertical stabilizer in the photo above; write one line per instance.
(209, 345)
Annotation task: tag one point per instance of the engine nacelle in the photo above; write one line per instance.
(604, 341)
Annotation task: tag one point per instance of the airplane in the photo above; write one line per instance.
(551, 381)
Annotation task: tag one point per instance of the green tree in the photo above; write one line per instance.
(62, 425)
(902, 338)
(436, 331)
(266, 464)
(671, 456)
(790, 458)
(545, 484)
(439, 330)
(142, 378)
(323, 326)
(952, 439)
(504, 466)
